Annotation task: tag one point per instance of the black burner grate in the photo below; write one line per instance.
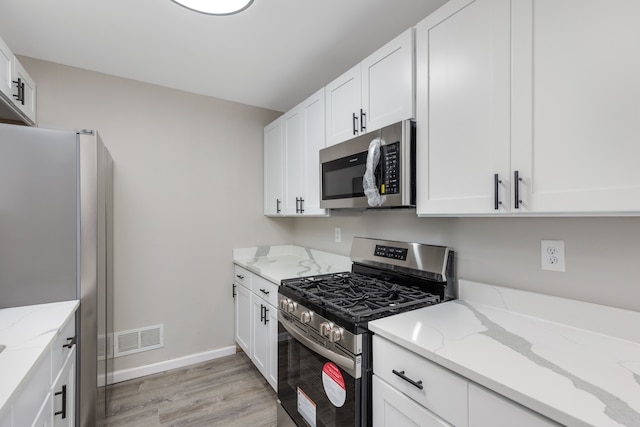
(360, 297)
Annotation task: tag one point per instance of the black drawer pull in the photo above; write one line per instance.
(240, 276)
(64, 402)
(407, 379)
(264, 291)
(70, 342)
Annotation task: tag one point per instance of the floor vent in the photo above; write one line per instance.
(137, 340)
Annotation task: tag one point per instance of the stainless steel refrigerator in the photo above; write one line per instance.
(56, 235)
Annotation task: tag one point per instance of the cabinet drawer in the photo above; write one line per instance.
(58, 351)
(242, 276)
(442, 392)
(265, 289)
(393, 409)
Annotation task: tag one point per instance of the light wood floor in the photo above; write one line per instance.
(224, 392)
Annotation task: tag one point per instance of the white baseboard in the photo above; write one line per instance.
(181, 362)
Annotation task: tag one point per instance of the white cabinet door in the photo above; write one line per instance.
(63, 393)
(388, 84)
(292, 154)
(243, 318)
(575, 105)
(6, 71)
(342, 104)
(463, 102)
(27, 101)
(393, 409)
(272, 370)
(259, 334)
(313, 131)
(487, 409)
(273, 168)
(45, 414)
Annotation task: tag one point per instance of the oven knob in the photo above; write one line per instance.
(305, 317)
(291, 307)
(283, 304)
(325, 328)
(335, 334)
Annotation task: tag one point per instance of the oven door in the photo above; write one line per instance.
(314, 388)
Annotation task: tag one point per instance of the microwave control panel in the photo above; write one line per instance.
(390, 159)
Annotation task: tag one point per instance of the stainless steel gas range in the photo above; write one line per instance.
(324, 346)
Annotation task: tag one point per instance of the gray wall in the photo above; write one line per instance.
(188, 189)
(602, 254)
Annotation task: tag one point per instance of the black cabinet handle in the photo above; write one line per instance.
(264, 291)
(417, 384)
(516, 189)
(277, 205)
(355, 124)
(266, 315)
(240, 276)
(496, 192)
(262, 307)
(301, 205)
(70, 342)
(20, 86)
(363, 116)
(64, 402)
(233, 292)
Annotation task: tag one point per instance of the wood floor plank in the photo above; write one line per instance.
(226, 392)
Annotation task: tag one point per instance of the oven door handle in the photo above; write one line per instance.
(344, 362)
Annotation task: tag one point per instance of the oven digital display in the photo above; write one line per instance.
(391, 252)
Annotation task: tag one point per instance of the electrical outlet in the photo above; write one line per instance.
(338, 235)
(552, 255)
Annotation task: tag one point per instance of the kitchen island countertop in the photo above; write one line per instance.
(574, 362)
(27, 333)
(276, 263)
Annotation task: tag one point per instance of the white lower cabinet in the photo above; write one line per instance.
(391, 408)
(242, 303)
(488, 409)
(409, 390)
(256, 322)
(43, 419)
(47, 398)
(421, 381)
(63, 393)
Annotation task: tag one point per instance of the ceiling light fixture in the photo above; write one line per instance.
(215, 7)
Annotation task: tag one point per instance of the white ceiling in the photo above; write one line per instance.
(272, 55)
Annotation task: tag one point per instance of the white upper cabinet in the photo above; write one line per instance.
(463, 108)
(523, 108)
(375, 93)
(273, 174)
(26, 91)
(343, 101)
(293, 152)
(576, 109)
(303, 130)
(6, 70)
(17, 89)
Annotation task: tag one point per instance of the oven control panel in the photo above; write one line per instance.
(391, 252)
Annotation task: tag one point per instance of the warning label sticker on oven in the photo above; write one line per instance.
(333, 383)
(306, 408)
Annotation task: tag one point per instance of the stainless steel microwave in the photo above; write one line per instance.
(374, 170)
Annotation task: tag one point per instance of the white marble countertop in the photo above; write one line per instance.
(574, 362)
(27, 332)
(276, 263)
